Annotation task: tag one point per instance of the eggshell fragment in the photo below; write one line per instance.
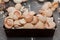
(8, 22)
(55, 5)
(46, 5)
(40, 25)
(22, 21)
(18, 6)
(35, 20)
(32, 13)
(28, 26)
(28, 18)
(17, 24)
(41, 17)
(11, 9)
(50, 23)
(17, 1)
(47, 13)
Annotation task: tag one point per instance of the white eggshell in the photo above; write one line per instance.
(28, 18)
(16, 23)
(22, 21)
(48, 13)
(32, 13)
(51, 25)
(11, 9)
(17, 1)
(18, 6)
(46, 5)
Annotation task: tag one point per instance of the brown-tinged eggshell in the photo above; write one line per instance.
(35, 20)
(46, 5)
(17, 24)
(55, 5)
(8, 22)
(41, 17)
(40, 25)
(28, 18)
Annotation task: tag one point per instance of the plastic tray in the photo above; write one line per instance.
(34, 6)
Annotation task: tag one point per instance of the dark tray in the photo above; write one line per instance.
(34, 6)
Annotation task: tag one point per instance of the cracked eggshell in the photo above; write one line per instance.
(18, 13)
(18, 6)
(25, 12)
(35, 20)
(15, 15)
(8, 22)
(32, 13)
(10, 9)
(55, 5)
(50, 23)
(40, 25)
(28, 26)
(41, 17)
(50, 19)
(17, 24)
(47, 13)
(22, 21)
(46, 5)
(17, 1)
(28, 18)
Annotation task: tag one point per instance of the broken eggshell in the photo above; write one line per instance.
(35, 20)
(8, 23)
(39, 25)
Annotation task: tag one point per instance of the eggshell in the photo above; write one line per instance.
(10, 9)
(46, 5)
(28, 18)
(35, 20)
(22, 21)
(17, 1)
(40, 25)
(8, 22)
(41, 17)
(28, 26)
(18, 6)
(16, 23)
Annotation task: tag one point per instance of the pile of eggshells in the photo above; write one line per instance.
(19, 16)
